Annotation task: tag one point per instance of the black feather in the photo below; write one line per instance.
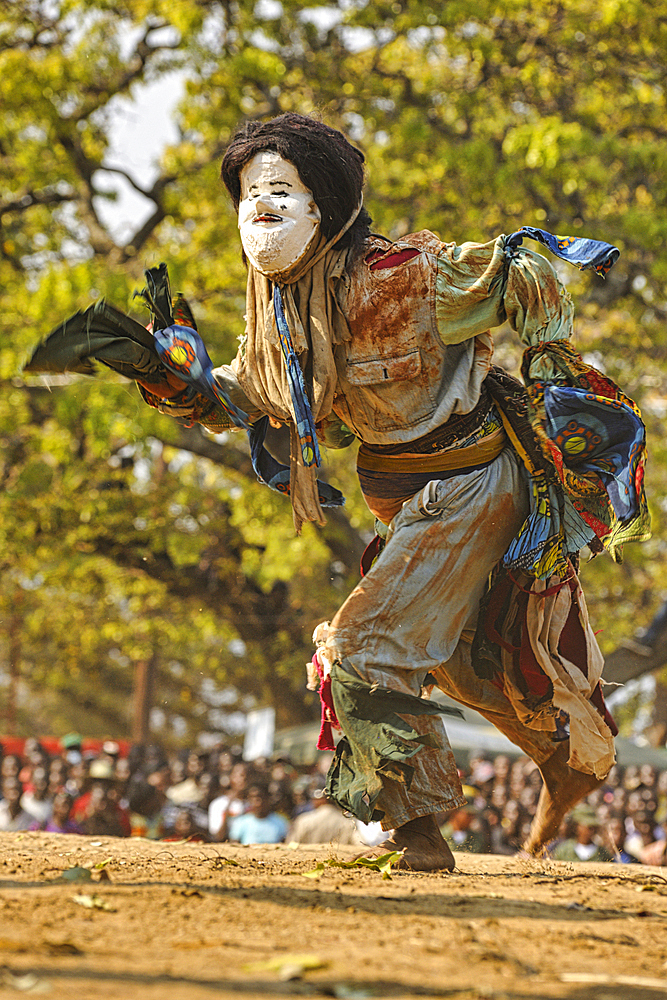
(157, 295)
(101, 332)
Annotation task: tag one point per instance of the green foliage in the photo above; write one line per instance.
(123, 537)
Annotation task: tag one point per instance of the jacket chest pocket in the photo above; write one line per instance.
(378, 370)
(389, 393)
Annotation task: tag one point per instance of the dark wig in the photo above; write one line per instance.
(327, 163)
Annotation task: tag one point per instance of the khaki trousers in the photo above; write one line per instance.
(415, 611)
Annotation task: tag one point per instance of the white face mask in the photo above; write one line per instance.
(278, 217)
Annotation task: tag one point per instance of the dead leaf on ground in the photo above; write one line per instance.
(77, 874)
(62, 948)
(94, 902)
(288, 966)
(27, 983)
(382, 864)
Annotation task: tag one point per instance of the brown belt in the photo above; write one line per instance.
(484, 450)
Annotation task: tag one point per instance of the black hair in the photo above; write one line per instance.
(330, 166)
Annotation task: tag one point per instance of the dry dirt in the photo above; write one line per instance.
(199, 921)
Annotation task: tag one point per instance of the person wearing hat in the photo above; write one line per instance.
(95, 810)
(584, 846)
(71, 744)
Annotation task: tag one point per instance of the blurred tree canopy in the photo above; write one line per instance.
(124, 537)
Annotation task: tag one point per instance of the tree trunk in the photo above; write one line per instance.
(143, 696)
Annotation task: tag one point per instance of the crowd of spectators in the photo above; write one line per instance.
(217, 796)
(625, 820)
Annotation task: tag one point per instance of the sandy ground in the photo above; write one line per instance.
(161, 921)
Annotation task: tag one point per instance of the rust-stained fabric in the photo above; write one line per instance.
(418, 348)
(417, 354)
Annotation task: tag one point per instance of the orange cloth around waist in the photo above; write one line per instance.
(386, 510)
(413, 471)
(484, 450)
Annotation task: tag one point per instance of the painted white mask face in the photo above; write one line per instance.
(278, 217)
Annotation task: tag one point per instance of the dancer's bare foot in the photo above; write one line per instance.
(563, 788)
(424, 846)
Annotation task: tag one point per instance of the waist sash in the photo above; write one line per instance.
(486, 449)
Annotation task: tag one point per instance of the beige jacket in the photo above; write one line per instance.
(420, 346)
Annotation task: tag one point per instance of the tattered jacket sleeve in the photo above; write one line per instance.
(478, 287)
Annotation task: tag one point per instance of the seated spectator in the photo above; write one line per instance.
(585, 845)
(57, 775)
(123, 775)
(71, 745)
(631, 779)
(482, 777)
(12, 815)
(187, 789)
(10, 766)
(615, 834)
(506, 835)
(648, 776)
(465, 830)
(499, 798)
(100, 817)
(301, 796)
(77, 776)
(186, 828)
(528, 799)
(517, 778)
(282, 798)
(619, 799)
(37, 801)
(661, 797)
(641, 832)
(233, 802)
(282, 770)
(60, 821)
(34, 755)
(259, 825)
(97, 810)
(325, 823)
(501, 769)
(656, 853)
(145, 806)
(207, 792)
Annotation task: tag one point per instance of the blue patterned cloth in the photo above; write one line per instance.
(182, 351)
(303, 415)
(577, 250)
(600, 436)
(275, 475)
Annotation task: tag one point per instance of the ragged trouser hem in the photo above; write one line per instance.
(444, 805)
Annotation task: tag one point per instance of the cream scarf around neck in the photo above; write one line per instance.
(317, 325)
